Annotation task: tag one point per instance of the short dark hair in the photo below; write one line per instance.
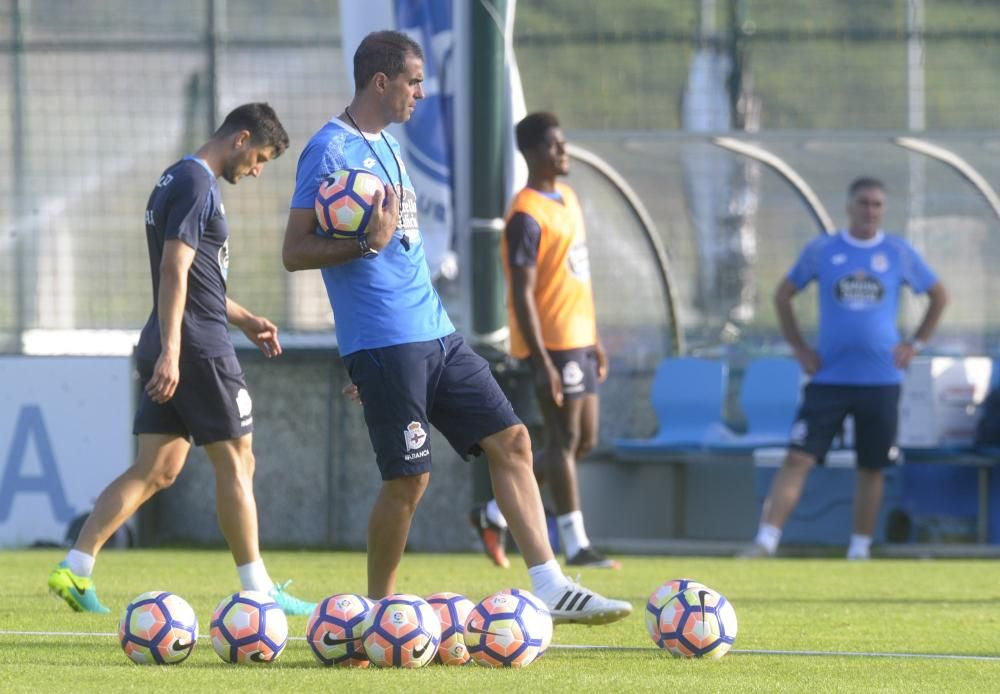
(862, 183)
(383, 51)
(532, 129)
(262, 123)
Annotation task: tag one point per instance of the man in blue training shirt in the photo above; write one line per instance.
(402, 352)
(193, 385)
(857, 368)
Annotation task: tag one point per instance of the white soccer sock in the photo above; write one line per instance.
(572, 532)
(253, 576)
(768, 537)
(80, 563)
(494, 515)
(860, 547)
(547, 580)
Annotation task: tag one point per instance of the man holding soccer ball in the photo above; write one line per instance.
(402, 352)
(193, 385)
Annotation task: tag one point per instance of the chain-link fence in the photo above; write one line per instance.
(99, 97)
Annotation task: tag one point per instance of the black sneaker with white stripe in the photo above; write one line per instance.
(576, 604)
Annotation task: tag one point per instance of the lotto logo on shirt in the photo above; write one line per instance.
(859, 290)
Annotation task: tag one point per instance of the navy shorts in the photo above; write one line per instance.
(405, 388)
(577, 368)
(211, 402)
(876, 418)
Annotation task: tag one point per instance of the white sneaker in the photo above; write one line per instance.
(576, 604)
(858, 555)
(755, 551)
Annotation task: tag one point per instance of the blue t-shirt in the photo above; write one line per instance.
(186, 205)
(859, 283)
(382, 301)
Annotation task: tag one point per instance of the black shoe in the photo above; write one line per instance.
(590, 557)
(492, 536)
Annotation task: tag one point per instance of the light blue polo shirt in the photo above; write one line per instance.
(859, 283)
(386, 300)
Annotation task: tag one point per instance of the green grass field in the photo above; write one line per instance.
(922, 608)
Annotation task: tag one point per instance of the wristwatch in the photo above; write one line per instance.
(367, 252)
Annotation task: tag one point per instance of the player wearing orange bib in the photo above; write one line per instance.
(550, 309)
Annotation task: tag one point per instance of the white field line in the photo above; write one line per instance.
(844, 654)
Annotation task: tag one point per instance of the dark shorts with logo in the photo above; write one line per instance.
(577, 368)
(406, 388)
(876, 418)
(211, 402)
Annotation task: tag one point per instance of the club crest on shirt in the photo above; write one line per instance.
(415, 436)
(839, 258)
(880, 263)
(368, 163)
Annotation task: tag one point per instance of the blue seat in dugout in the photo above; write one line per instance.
(687, 395)
(769, 396)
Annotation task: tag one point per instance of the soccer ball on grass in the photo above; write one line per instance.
(334, 630)
(249, 627)
(401, 630)
(158, 627)
(697, 623)
(506, 630)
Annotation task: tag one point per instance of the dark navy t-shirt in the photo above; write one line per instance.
(186, 205)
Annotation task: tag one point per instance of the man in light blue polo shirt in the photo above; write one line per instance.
(411, 369)
(858, 365)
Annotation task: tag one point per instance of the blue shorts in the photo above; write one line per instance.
(876, 418)
(405, 388)
(577, 368)
(211, 402)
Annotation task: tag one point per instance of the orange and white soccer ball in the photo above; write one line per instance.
(158, 627)
(344, 202)
(698, 623)
(660, 597)
(249, 627)
(401, 630)
(452, 610)
(334, 630)
(505, 630)
(547, 624)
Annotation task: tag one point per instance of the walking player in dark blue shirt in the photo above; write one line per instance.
(193, 385)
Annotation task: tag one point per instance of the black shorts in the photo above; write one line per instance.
(405, 388)
(577, 369)
(211, 402)
(876, 418)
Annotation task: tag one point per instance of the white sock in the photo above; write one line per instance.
(860, 546)
(494, 515)
(768, 537)
(80, 563)
(572, 532)
(253, 576)
(547, 580)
